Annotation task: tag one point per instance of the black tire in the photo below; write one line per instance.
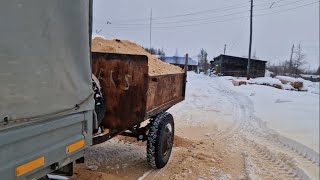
(160, 140)
(99, 101)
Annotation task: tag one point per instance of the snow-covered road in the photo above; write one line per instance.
(224, 132)
(257, 119)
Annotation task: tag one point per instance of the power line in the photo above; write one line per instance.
(225, 20)
(226, 8)
(243, 29)
(297, 7)
(190, 20)
(160, 27)
(277, 6)
(202, 12)
(269, 3)
(214, 17)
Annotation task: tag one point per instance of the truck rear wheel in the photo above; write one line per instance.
(160, 140)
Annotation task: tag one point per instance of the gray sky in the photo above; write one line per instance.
(210, 24)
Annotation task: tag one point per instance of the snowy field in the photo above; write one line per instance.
(293, 114)
(283, 125)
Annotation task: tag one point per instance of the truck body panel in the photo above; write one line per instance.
(48, 139)
(46, 96)
(45, 67)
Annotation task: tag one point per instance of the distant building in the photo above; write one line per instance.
(237, 66)
(180, 61)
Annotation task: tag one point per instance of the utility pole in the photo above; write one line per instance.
(186, 64)
(150, 28)
(250, 42)
(225, 47)
(290, 62)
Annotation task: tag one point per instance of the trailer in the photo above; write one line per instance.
(132, 96)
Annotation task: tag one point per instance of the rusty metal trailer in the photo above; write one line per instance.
(133, 96)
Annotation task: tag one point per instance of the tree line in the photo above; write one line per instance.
(293, 66)
(157, 51)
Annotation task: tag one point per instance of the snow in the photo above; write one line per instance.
(312, 87)
(293, 114)
(57, 177)
(267, 73)
(144, 175)
(266, 80)
(287, 87)
(290, 79)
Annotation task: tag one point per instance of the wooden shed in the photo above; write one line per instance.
(226, 65)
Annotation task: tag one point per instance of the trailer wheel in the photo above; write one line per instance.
(160, 140)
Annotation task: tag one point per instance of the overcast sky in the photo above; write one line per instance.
(187, 26)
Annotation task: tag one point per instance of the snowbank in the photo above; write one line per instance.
(280, 82)
(266, 80)
(289, 79)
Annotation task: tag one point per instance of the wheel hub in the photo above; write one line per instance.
(167, 141)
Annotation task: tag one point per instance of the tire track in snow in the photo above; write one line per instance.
(247, 125)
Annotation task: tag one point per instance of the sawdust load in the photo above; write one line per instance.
(156, 66)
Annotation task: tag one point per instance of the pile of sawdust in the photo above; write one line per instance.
(156, 66)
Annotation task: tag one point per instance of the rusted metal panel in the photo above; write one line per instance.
(164, 91)
(133, 96)
(122, 78)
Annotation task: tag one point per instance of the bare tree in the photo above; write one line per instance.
(159, 52)
(203, 61)
(162, 54)
(298, 60)
(290, 71)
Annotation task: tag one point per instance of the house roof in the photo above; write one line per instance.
(180, 60)
(242, 58)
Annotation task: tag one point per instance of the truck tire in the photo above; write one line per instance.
(160, 140)
(99, 99)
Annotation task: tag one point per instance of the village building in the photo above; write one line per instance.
(180, 61)
(227, 65)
